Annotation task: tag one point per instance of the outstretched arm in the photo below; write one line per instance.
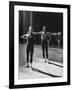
(48, 32)
(36, 33)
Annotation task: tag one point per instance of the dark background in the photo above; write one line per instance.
(53, 21)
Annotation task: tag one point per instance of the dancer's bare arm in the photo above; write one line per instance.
(48, 32)
(36, 33)
(24, 36)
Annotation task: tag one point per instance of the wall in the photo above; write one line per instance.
(4, 44)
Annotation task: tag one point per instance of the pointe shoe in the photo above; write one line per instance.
(45, 60)
(31, 65)
(26, 66)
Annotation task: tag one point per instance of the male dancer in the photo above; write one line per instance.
(44, 42)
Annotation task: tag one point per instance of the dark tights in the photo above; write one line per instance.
(30, 49)
(45, 48)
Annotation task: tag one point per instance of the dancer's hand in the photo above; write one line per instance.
(23, 36)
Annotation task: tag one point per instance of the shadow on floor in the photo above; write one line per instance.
(37, 70)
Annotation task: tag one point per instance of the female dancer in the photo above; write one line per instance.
(30, 46)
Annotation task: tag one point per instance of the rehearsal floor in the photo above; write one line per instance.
(40, 69)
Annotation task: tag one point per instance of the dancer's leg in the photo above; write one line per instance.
(46, 51)
(43, 53)
(27, 53)
(31, 54)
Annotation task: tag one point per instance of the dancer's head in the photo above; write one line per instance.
(44, 29)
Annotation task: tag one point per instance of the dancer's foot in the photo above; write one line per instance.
(30, 65)
(26, 66)
(45, 60)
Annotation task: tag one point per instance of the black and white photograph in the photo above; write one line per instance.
(40, 44)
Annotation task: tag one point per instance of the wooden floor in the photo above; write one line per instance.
(40, 69)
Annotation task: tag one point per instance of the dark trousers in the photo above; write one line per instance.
(29, 51)
(45, 48)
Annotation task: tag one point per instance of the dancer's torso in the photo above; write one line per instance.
(44, 36)
(30, 39)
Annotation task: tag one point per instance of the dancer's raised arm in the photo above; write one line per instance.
(24, 36)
